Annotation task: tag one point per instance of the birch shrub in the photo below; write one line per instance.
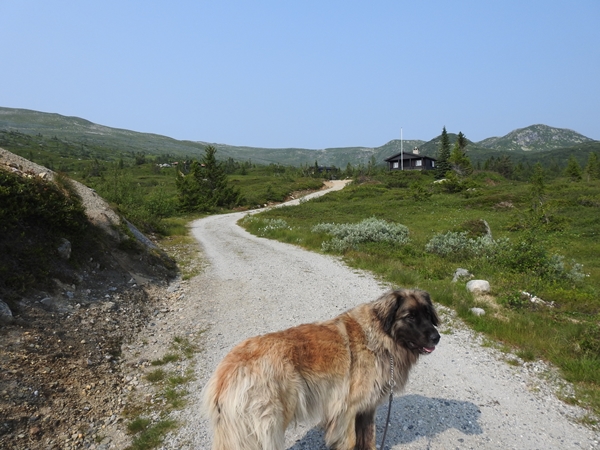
(349, 235)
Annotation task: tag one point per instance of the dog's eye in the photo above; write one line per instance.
(409, 317)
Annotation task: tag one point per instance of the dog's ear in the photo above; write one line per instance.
(386, 308)
(435, 320)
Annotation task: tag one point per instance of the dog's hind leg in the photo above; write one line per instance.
(340, 433)
(365, 430)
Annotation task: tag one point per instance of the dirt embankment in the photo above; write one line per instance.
(61, 382)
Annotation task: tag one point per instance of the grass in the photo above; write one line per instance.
(170, 382)
(183, 345)
(153, 435)
(137, 425)
(156, 375)
(169, 357)
(566, 335)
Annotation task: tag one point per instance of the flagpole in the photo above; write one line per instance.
(401, 151)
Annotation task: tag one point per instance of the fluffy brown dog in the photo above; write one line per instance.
(335, 372)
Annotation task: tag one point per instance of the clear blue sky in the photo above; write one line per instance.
(311, 74)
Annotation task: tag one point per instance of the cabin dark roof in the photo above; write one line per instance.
(408, 155)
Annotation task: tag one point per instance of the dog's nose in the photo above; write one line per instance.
(435, 337)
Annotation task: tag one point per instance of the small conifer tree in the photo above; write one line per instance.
(442, 164)
(460, 162)
(592, 168)
(205, 187)
(573, 171)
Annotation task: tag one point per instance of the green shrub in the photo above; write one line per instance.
(452, 183)
(35, 215)
(459, 245)
(525, 256)
(530, 256)
(349, 235)
(589, 200)
(590, 340)
(514, 299)
(418, 192)
(475, 228)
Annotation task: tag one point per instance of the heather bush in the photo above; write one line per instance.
(349, 235)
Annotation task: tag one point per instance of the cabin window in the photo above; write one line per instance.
(432, 163)
(419, 162)
(395, 166)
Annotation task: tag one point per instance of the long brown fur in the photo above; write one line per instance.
(335, 373)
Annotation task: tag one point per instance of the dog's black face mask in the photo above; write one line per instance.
(410, 319)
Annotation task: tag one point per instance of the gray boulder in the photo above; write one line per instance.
(64, 250)
(6, 315)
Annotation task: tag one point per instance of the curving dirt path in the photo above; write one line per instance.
(462, 396)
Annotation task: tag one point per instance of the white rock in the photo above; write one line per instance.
(479, 286)
(478, 311)
(461, 274)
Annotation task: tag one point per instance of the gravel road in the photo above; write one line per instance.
(463, 396)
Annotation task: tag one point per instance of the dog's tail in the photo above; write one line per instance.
(238, 401)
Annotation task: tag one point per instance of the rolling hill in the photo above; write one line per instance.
(83, 134)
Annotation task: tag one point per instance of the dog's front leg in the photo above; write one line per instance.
(365, 431)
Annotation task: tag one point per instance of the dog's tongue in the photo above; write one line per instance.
(428, 349)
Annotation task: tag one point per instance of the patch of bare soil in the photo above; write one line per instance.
(61, 384)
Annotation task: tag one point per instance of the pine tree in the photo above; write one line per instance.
(349, 171)
(205, 187)
(537, 191)
(442, 163)
(592, 168)
(573, 171)
(462, 141)
(187, 191)
(460, 162)
(504, 166)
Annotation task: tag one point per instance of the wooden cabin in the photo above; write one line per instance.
(410, 161)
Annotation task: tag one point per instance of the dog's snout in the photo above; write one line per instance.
(435, 337)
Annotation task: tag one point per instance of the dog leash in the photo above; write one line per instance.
(392, 384)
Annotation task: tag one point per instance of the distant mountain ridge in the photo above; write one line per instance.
(535, 138)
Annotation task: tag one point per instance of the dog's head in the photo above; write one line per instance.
(408, 316)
